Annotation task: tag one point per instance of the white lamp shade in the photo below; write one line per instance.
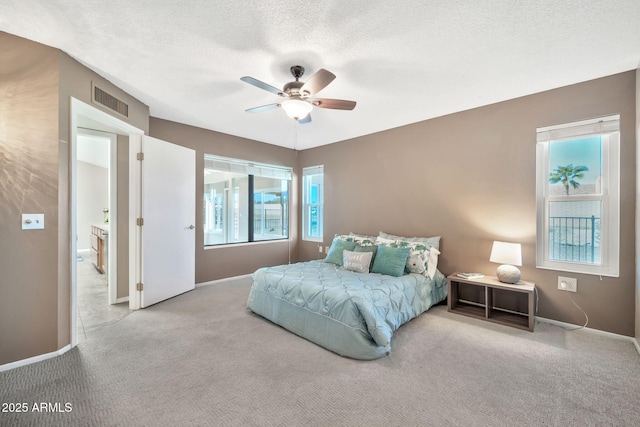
(297, 108)
(506, 253)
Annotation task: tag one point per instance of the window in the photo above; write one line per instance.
(312, 205)
(244, 202)
(578, 197)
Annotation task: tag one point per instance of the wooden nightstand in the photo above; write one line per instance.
(486, 298)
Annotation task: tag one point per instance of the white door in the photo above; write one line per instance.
(169, 211)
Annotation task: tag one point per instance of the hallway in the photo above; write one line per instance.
(94, 310)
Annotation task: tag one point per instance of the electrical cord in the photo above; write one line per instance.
(583, 312)
(574, 303)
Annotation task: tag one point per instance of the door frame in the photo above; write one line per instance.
(107, 123)
(135, 232)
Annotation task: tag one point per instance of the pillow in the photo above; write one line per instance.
(390, 261)
(433, 241)
(418, 252)
(422, 259)
(356, 261)
(367, 248)
(432, 262)
(363, 239)
(338, 245)
(418, 257)
(386, 242)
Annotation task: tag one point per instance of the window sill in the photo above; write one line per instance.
(241, 244)
(580, 269)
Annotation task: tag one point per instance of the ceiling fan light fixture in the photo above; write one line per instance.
(298, 102)
(296, 108)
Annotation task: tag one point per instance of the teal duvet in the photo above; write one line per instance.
(352, 314)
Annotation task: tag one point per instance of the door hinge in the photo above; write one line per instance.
(140, 222)
(139, 287)
(140, 156)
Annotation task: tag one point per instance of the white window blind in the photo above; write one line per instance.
(586, 127)
(313, 170)
(224, 164)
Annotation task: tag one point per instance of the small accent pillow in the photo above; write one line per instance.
(338, 245)
(367, 248)
(356, 261)
(390, 261)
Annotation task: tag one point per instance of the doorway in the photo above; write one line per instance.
(96, 199)
(92, 126)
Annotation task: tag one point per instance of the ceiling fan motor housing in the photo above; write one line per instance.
(293, 88)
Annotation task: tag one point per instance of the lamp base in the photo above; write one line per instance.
(508, 274)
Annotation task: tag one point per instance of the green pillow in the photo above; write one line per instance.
(338, 245)
(390, 261)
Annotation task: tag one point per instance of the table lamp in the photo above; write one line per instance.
(509, 255)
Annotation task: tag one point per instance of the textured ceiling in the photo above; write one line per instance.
(403, 61)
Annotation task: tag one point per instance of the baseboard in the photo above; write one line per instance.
(226, 279)
(123, 299)
(591, 331)
(35, 359)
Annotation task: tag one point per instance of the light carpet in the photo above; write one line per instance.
(203, 359)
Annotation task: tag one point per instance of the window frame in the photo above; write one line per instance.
(608, 128)
(252, 170)
(307, 173)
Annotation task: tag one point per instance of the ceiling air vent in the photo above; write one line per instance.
(111, 102)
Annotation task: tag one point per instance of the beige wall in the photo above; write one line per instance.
(35, 281)
(470, 177)
(92, 192)
(233, 260)
(28, 184)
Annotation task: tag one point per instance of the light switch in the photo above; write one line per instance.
(32, 221)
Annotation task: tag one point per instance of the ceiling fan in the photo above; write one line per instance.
(298, 103)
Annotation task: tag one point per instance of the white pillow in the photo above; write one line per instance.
(356, 261)
(432, 262)
(384, 241)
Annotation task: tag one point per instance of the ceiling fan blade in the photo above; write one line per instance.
(335, 104)
(262, 108)
(317, 82)
(262, 85)
(306, 119)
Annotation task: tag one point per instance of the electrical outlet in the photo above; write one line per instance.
(320, 248)
(568, 284)
(326, 249)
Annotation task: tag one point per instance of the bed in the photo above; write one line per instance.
(348, 311)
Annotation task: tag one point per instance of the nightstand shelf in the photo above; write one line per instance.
(485, 298)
